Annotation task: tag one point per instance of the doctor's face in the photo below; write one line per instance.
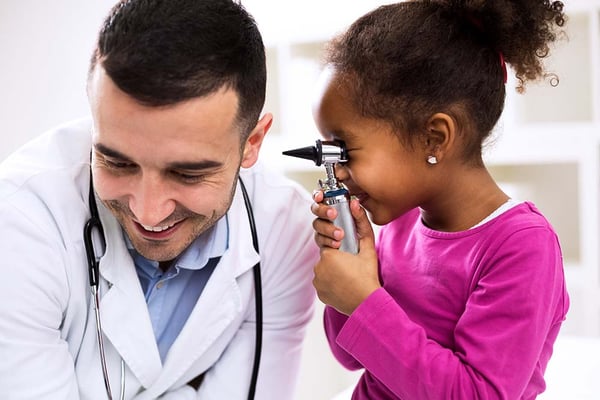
(166, 173)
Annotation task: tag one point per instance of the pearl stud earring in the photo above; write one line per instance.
(432, 160)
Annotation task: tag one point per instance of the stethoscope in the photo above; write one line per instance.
(93, 259)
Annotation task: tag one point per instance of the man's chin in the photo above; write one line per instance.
(155, 249)
(159, 256)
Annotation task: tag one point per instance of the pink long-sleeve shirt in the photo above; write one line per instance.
(461, 315)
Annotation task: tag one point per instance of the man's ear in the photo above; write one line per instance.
(440, 135)
(255, 140)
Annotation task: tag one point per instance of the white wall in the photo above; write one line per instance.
(45, 47)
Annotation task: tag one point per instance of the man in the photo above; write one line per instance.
(176, 88)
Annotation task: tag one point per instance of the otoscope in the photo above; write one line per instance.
(329, 153)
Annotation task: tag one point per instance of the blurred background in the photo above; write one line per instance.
(546, 147)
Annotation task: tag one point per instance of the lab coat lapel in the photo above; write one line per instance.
(218, 307)
(125, 318)
(194, 350)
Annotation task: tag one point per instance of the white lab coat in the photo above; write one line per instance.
(48, 347)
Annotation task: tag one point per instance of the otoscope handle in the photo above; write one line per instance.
(340, 200)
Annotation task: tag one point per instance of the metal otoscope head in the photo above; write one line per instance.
(323, 152)
(335, 194)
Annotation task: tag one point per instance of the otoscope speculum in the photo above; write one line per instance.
(322, 152)
(326, 153)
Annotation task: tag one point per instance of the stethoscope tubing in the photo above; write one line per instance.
(95, 296)
(257, 294)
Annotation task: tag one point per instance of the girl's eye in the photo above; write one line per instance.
(349, 153)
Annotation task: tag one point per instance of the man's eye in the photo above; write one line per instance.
(188, 178)
(118, 164)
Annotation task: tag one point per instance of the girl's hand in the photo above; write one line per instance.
(344, 280)
(326, 234)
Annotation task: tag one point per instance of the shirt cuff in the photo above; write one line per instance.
(373, 308)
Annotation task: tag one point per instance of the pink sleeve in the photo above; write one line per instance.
(502, 340)
(334, 321)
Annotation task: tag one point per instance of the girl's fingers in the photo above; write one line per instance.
(325, 242)
(327, 229)
(323, 211)
(317, 196)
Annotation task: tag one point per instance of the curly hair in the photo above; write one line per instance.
(406, 61)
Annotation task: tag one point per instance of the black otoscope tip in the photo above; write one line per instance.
(308, 153)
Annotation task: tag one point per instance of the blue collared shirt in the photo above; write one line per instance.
(172, 295)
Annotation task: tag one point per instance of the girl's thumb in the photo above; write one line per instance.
(364, 229)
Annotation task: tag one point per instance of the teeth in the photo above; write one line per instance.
(156, 228)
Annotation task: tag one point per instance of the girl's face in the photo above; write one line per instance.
(388, 177)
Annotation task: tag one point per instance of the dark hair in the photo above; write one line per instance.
(406, 61)
(162, 52)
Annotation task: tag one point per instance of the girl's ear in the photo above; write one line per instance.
(255, 140)
(440, 136)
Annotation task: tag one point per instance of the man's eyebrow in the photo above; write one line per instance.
(196, 165)
(107, 151)
(181, 165)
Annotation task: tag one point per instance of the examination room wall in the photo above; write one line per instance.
(547, 148)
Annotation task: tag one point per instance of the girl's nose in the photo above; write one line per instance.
(341, 172)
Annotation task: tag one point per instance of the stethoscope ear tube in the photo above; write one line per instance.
(88, 237)
(89, 251)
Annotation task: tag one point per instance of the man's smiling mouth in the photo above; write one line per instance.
(157, 228)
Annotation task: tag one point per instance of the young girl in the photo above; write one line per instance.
(464, 294)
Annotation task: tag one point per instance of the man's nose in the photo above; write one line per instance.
(151, 201)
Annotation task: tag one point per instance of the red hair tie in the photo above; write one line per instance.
(503, 64)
